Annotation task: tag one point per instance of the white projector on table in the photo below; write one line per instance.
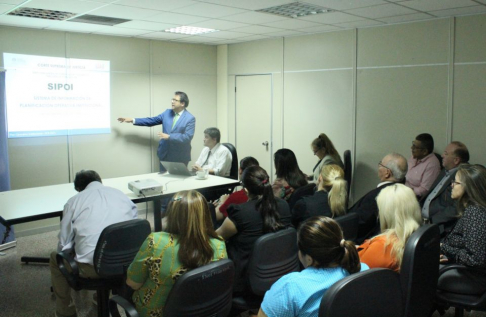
(145, 187)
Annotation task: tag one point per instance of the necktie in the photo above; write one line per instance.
(176, 117)
(207, 158)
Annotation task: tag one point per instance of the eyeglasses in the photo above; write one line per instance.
(174, 100)
(381, 164)
(454, 183)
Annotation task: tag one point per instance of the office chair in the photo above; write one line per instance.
(371, 293)
(201, 292)
(303, 191)
(273, 256)
(234, 161)
(419, 271)
(116, 248)
(349, 224)
(348, 169)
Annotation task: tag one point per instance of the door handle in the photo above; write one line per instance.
(265, 144)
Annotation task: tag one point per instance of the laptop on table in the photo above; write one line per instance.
(177, 168)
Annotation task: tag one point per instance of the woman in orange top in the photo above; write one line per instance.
(400, 216)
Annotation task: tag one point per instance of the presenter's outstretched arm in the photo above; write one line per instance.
(126, 120)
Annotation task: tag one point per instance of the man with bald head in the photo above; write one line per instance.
(437, 205)
(391, 169)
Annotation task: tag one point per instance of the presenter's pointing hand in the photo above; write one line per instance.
(127, 120)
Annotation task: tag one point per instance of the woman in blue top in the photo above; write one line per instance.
(327, 258)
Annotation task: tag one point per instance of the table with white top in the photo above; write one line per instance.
(31, 204)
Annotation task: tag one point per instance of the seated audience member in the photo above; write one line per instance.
(391, 169)
(238, 197)
(214, 156)
(263, 213)
(466, 244)
(329, 200)
(327, 258)
(437, 206)
(289, 175)
(423, 165)
(399, 217)
(189, 242)
(84, 217)
(324, 149)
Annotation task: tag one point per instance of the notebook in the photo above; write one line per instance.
(177, 168)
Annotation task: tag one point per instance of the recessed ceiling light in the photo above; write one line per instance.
(295, 10)
(191, 30)
(42, 14)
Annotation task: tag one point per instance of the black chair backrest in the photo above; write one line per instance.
(349, 224)
(348, 168)
(273, 255)
(117, 246)
(204, 291)
(439, 157)
(371, 293)
(306, 190)
(234, 162)
(419, 271)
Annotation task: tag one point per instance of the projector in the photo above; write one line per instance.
(145, 187)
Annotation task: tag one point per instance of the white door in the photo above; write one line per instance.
(254, 119)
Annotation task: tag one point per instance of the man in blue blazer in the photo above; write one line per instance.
(178, 127)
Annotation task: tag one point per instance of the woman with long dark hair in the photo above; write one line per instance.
(190, 242)
(289, 175)
(327, 258)
(263, 213)
(466, 243)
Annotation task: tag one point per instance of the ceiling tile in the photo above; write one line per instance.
(163, 35)
(285, 33)
(124, 12)
(249, 4)
(209, 10)
(257, 29)
(13, 2)
(358, 24)
(175, 18)
(253, 37)
(113, 30)
(146, 25)
(198, 39)
(219, 24)
(481, 1)
(225, 35)
(459, 11)
(254, 18)
(381, 11)
(406, 18)
(74, 26)
(332, 18)
(5, 8)
(25, 22)
(322, 28)
(161, 5)
(345, 4)
(292, 24)
(434, 5)
(64, 5)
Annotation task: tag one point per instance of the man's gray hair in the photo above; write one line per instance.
(398, 166)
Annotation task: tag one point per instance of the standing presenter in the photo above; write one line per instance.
(178, 127)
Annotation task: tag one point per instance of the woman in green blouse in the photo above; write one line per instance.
(190, 242)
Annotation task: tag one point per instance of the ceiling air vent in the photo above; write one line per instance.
(96, 19)
(42, 14)
(295, 10)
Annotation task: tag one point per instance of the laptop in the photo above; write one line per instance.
(177, 168)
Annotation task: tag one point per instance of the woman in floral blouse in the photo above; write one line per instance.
(190, 242)
(466, 244)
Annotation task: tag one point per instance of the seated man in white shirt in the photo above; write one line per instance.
(215, 157)
(84, 217)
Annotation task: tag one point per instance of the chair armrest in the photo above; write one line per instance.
(130, 311)
(459, 267)
(71, 275)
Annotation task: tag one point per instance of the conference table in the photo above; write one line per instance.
(31, 204)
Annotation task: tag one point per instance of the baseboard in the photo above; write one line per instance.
(8, 245)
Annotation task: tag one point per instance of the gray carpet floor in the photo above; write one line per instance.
(25, 289)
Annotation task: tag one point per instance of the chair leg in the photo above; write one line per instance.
(103, 296)
(458, 312)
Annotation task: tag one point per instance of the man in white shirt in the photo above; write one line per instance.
(84, 217)
(216, 157)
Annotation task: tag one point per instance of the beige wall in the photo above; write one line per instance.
(373, 90)
(144, 76)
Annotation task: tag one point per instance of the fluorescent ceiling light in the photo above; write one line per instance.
(295, 10)
(191, 30)
(42, 14)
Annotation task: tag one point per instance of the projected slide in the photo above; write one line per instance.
(49, 96)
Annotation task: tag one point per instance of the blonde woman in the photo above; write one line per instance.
(330, 199)
(324, 149)
(400, 216)
(190, 242)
